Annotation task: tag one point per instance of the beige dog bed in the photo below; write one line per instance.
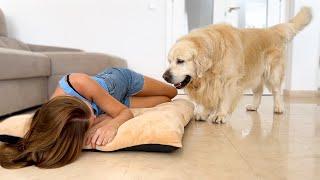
(152, 129)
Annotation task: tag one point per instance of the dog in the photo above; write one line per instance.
(216, 64)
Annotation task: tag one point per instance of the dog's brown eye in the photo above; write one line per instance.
(180, 61)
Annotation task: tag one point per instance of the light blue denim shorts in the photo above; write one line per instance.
(122, 83)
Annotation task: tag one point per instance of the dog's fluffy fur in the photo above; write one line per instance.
(223, 61)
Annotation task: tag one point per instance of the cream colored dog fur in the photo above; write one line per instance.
(217, 63)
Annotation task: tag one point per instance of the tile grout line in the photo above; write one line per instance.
(242, 157)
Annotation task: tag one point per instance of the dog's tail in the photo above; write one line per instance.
(296, 24)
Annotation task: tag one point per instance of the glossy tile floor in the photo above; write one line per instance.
(252, 145)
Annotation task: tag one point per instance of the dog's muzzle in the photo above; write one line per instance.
(167, 76)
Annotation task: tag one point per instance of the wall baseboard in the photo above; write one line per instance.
(301, 93)
(288, 93)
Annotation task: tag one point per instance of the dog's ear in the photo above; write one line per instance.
(202, 62)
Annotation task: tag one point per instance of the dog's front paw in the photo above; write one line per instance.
(218, 118)
(200, 113)
(251, 107)
(201, 116)
(278, 109)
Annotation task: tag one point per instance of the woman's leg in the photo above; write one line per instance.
(153, 93)
(148, 101)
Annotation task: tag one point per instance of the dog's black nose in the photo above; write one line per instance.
(167, 76)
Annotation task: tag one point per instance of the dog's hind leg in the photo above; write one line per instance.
(257, 93)
(278, 106)
(274, 82)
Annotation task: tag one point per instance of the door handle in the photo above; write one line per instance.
(230, 9)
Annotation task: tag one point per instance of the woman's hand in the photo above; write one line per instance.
(102, 133)
(101, 118)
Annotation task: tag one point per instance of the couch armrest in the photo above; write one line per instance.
(89, 63)
(43, 48)
(15, 64)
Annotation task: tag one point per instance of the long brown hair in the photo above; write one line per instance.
(55, 137)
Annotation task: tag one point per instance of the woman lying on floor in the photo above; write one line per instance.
(83, 109)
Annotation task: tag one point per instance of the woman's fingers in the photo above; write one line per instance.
(105, 141)
(100, 140)
(112, 137)
(100, 136)
(109, 139)
(89, 137)
(88, 140)
(105, 138)
(94, 139)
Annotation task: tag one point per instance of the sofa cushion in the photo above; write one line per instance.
(45, 48)
(17, 64)
(53, 81)
(89, 63)
(12, 43)
(19, 94)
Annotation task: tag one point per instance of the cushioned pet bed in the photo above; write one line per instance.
(159, 128)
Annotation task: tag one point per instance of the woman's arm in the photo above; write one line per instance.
(105, 131)
(92, 91)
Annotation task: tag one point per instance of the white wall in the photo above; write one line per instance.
(137, 30)
(305, 51)
(132, 29)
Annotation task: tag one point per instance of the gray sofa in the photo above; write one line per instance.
(29, 73)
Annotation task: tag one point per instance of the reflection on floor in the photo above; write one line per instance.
(252, 145)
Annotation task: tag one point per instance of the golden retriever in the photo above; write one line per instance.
(217, 63)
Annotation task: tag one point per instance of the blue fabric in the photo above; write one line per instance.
(121, 83)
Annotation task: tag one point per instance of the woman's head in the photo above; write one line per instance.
(55, 138)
